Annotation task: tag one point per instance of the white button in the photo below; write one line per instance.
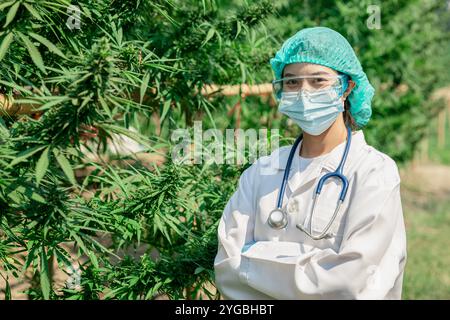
(293, 206)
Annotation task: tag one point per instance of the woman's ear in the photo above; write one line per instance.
(351, 85)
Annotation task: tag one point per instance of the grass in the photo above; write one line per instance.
(436, 152)
(427, 273)
(427, 218)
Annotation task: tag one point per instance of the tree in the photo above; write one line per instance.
(127, 61)
(136, 68)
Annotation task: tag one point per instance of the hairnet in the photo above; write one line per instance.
(324, 46)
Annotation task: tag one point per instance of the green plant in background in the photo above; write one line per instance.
(405, 60)
(128, 61)
(142, 64)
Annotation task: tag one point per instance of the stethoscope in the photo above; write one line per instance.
(278, 218)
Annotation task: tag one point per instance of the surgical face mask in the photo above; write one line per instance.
(314, 112)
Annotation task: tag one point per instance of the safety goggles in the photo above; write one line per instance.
(310, 85)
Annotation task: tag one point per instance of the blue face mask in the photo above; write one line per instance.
(314, 112)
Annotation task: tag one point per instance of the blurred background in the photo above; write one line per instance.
(91, 204)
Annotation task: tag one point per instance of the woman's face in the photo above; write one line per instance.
(310, 69)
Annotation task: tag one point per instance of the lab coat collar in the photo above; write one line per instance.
(329, 162)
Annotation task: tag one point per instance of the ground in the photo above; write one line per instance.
(426, 207)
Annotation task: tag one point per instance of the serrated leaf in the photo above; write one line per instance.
(238, 31)
(30, 257)
(37, 197)
(45, 275)
(33, 11)
(11, 14)
(209, 35)
(47, 43)
(65, 166)
(25, 191)
(144, 86)
(133, 281)
(93, 259)
(33, 51)
(6, 4)
(79, 242)
(42, 166)
(165, 110)
(61, 258)
(14, 196)
(120, 130)
(105, 106)
(25, 154)
(5, 44)
(53, 101)
(7, 291)
(198, 270)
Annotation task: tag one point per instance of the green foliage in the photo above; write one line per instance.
(161, 52)
(410, 50)
(141, 64)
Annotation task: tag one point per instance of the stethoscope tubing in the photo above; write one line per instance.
(286, 171)
(338, 173)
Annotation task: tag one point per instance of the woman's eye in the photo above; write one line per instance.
(292, 82)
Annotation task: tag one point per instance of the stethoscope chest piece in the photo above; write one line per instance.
(277, 219)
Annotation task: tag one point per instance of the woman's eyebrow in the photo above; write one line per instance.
(318, 73)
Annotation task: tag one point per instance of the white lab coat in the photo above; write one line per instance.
(364, 258)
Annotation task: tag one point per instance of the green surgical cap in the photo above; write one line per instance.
(324, 46)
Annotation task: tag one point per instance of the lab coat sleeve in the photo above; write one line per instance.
(234, 231)
(366, 266)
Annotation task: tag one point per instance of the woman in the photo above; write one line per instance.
(272, 249)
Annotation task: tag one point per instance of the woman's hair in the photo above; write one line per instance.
(348, 118)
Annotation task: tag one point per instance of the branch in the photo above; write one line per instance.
(244, 90)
